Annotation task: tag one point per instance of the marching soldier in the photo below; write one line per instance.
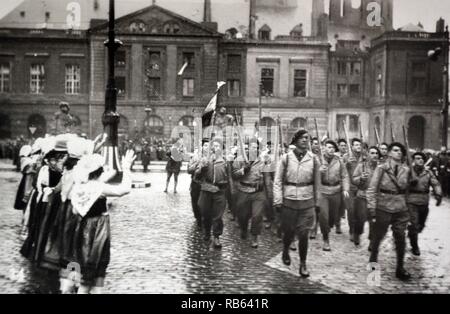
(269, 174)
(335, 184)
(386, 202)
(212, 202)
(352, 160)
(295, 190)
(195, 187)
(342, 144)
(361, 178)
(418, 199)
(383, 152)
(250, 196)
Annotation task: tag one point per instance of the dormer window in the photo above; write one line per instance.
(264, 32)
(297, 31)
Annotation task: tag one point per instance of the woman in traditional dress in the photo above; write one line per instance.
(92, 241)
(48, 177)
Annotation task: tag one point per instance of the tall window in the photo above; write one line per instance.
(418, 77)
(267, 80)
(234, 63)
(5, 77)
(121, 86)
(342, 90)
(120, 58)
(378, 81)
(37, 78)
(234, 88)
(189, 58)
(342, 68)
(300, 83)
(354, 90)
(355, 68)
(72, 79)
(153, 73)
(188, 87)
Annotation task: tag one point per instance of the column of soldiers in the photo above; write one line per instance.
(312, 185)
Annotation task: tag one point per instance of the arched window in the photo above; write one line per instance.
(416, 132)
(299, 123)
(264, 32)
(37, 125)
(5, 126)
(155, 125)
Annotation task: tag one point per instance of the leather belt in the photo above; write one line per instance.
(419, 192)
(221, 186)
(299, 185)
(257, 186)
(332, 185)
(392, 192)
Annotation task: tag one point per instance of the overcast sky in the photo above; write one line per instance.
(405, 11)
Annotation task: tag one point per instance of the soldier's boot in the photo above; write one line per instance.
(303, 270)
(217, 244)
(255, 241)
(414, 240)
(356, 239)
(401, 273)
(326, 243)
(313, 232)
(338, 228)
(285, 257)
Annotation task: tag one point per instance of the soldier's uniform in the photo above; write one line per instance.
(212, 201)
(334, 182)
(350, 202)
(386, 200)
(269, 175)
(296, 188)
(195, 187)
(361, 212)
(250, 196)
(418, 199)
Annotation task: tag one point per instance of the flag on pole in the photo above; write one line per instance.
(211, 107)
(183, 68)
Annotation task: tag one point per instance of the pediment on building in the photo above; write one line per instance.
(154, 20)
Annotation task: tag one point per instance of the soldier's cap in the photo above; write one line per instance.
(297, 135)
(421, 154)
(399, 145)
(331, 142)
(341, 140)
(205, 140)
(64, 104)
(217, 140)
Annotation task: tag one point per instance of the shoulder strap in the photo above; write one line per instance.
(392, 179)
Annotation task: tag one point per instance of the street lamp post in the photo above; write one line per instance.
(110, 117)
(445, 96)
(260, 104)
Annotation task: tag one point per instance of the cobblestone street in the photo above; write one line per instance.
(156, 248)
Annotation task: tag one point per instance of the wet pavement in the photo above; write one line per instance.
(157, 248)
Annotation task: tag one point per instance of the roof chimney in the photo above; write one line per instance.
(207, 11)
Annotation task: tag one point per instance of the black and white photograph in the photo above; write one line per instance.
(224, 147)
